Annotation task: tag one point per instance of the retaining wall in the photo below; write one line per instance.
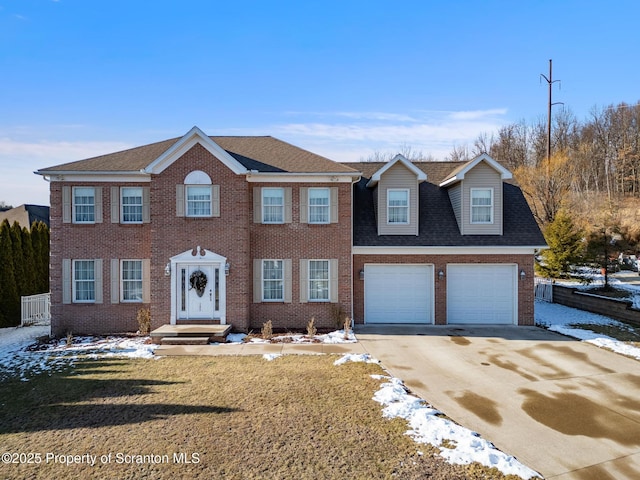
(611, 307)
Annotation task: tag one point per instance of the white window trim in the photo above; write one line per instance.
(282, 206)
(74, 205)
(262, 280)
(122, 300)
(186, 201)
(328, 206)
(122, 220)
(408, 191)
(73, 280)
(309, 280)
(471, 206)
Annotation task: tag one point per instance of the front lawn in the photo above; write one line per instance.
(210, 417)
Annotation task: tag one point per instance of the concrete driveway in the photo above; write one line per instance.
(565, 408)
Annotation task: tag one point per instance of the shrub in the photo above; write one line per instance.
(337, 314)
(144, 321)
(311, 327)
(69, 339)
(267, 330)
(347, 327)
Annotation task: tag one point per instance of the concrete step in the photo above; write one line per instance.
(213, 333)
(184, 341)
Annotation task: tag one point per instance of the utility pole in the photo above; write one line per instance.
(550, 81)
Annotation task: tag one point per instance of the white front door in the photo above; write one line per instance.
(199, 292)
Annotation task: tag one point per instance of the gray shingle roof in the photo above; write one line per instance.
(265, 154)
(438, 226)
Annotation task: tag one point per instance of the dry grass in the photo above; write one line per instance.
(245, 418)
(627, 333)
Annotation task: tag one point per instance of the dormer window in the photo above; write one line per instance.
(398, 206)
(481, 205)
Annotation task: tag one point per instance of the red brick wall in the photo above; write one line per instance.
(104, 240)
(525, 287)
(227, 235)
(297, 241)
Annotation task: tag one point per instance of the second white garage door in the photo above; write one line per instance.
(482, 294)
(398, 293)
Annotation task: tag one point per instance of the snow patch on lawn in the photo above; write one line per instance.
(21, 356)
(269, 357)
(565, 320)
(457, 444)
(337, 336)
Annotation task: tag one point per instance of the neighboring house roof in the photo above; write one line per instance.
(437, 221)
(262, 154)
(26, 214)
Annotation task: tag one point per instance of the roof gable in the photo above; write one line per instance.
(192, 137)
(375, 178)
(459, 173)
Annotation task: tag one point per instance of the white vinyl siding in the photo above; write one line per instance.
(455, 197)
(398, 206)
(481, 205)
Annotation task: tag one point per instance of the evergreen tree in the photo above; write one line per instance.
(29, 263)
(40, 244)
(18, 258)
(9, 298)
(566, 247)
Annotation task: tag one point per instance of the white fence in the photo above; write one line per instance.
(543, 288)
(36, 310)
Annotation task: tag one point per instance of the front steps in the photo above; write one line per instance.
(190, 334)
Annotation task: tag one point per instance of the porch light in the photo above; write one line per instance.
(441, 274)
(227, 267)
(361, 274)
(522, 274)
(167, 270)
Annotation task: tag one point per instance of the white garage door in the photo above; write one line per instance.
(482, 294)
(398, 293)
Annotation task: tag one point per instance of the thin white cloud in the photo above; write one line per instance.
(477, 114)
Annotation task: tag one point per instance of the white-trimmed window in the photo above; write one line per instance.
(318, 278)
(131, 280)
(398, 206)
(84, 281)
(482, 205)
(272, 281)
(272, 205)
(319, 211)
(131, 204)
(198, 200)
(84, 205)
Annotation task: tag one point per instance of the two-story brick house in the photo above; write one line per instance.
(241, 230)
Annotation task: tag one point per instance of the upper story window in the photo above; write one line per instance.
(84, 204)
(319, 205)
(131, 204)
(198, 201)
(398, 206)
(481, 205)
(272, 205)
(197, 197)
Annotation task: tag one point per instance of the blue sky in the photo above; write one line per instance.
(340, 78)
